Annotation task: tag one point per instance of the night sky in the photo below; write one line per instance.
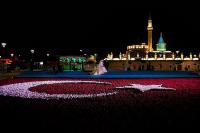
(65, 28)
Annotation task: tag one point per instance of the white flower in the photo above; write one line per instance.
(143, 88)
(22, 90)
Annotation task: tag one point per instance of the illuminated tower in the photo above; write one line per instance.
(161, 45)
(150, 29)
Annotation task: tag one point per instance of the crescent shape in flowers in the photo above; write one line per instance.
(22, 90)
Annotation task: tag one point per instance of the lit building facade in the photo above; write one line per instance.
(78, 63)
(144, 57)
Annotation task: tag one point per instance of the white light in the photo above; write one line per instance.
(48, 54)
(32, 51)
(167, 51)
(81, 50)
(115, 58)
(0, 56)
(151, 59)
(177, 58)
(41, 63)
(195, 58)
(3, 45)
(187, 59)
(169, 59)
(160, 59)
(12, 55)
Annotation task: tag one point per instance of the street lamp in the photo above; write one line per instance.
(3, 45)
(177, 53)
(32, 51)
(31, 63)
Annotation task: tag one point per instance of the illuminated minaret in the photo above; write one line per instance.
(150, 29)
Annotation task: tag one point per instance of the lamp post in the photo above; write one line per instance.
(82, 56)
(47, 58)
(3, 45)
(177, 53)
(3, 54)
(11, 54)
(95, 56)
(31, 63)
(32, 51)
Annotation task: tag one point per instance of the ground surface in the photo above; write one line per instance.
(125, 111)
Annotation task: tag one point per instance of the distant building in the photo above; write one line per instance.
(78, 63)
(144, 57)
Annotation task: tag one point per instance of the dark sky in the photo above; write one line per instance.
(97, 27)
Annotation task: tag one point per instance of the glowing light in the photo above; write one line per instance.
(32, 51)
(41, 63)
(195, 58)
(177, 58)
(160, 59)
(151, 59)
(3, 45)
(115, 58)
(169, 59)
(187, 59)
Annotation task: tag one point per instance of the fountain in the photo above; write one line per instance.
(100, 68)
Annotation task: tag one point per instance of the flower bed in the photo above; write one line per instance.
(48, 88)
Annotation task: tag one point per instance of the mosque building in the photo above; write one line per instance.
(144, 57)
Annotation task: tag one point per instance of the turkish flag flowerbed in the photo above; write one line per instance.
(82, 88)
(98, 105)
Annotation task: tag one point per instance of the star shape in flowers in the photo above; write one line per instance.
(144, 88)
